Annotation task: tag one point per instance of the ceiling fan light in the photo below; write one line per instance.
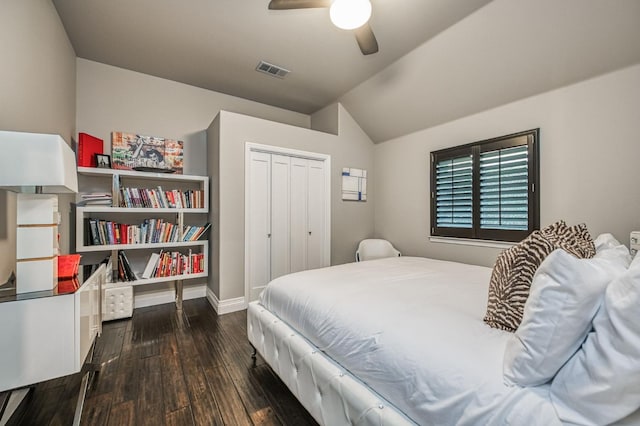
(350, 14)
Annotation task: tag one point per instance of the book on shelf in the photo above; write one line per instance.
(201, 232)
(170, 264)
(159, 198)
(115, 190)
(150, 231)
(151, 265)
(127, 264)
(193, 233)
(92, 236)
(88, 147)
(125, 272)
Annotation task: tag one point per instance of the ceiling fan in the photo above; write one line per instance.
(346, 14)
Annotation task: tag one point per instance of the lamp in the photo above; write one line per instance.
(36, 166)
(350, 14)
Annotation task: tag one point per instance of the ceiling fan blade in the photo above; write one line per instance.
(298, 4)
(366, 40)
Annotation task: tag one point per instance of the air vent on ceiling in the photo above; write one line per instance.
(272, 70)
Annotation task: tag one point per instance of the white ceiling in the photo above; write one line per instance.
(217, 44)
(439, 60)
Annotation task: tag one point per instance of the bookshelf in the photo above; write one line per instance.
(181, 203)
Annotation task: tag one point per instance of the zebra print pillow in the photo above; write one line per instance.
(573, 239)
(511, 279)
(515, 267)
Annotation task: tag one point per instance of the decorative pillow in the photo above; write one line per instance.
(511, 279)
(573, 239)
(600, 383)
(514, 269)
(565, 295)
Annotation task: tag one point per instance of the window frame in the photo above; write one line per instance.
(475, 149)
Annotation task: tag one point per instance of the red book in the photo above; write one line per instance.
(88, 147)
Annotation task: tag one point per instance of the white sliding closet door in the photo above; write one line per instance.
(280, 178)
(259, 223)
(316, 215)
(299, 222)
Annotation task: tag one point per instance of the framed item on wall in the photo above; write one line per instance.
(146, 153)
(354, 184)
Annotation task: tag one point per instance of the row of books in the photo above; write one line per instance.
(104, 232)
(157, 198)
(169, 264)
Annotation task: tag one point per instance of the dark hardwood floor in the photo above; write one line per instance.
(166, 367)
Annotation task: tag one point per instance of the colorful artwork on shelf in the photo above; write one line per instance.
(130, 151)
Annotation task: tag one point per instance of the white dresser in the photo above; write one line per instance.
(48, 334)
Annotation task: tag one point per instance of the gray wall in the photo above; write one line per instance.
(589, 150)
(114, 99)
(37, 88)
(350, 221)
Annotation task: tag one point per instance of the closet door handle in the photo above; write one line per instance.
(268, 235)
(309, 232)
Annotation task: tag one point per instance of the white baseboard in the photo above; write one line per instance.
(225, 306)
(152, 298)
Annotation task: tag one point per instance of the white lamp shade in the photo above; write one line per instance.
(350, 14)
(36, 159)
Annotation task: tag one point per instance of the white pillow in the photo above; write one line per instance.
(605, 241)
(600, 384)
(565, 295)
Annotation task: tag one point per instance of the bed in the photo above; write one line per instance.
(390, 342)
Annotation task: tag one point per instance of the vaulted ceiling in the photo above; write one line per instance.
(425, 73)
(216, 44)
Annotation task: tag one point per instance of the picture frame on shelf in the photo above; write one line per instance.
(132, 151)
(103, 161)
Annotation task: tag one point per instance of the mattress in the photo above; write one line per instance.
(411, 329)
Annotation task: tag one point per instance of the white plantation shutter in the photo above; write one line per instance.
(504, 189)
(454, 192)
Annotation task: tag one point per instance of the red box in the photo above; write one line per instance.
(68, 265)
(88, 147)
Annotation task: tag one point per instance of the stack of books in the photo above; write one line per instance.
(96, 198)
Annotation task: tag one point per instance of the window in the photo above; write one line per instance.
(486, 190)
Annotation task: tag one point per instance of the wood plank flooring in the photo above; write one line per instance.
(166, 367)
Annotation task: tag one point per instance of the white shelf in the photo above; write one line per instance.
(145, 281)
(93, 171)
(109, 247)
(108, 209)
(101, 180)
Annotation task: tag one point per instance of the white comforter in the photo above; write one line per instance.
(412, 330)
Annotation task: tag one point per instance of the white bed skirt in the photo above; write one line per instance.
(330, 394)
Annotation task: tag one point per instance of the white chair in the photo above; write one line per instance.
(375, 249)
